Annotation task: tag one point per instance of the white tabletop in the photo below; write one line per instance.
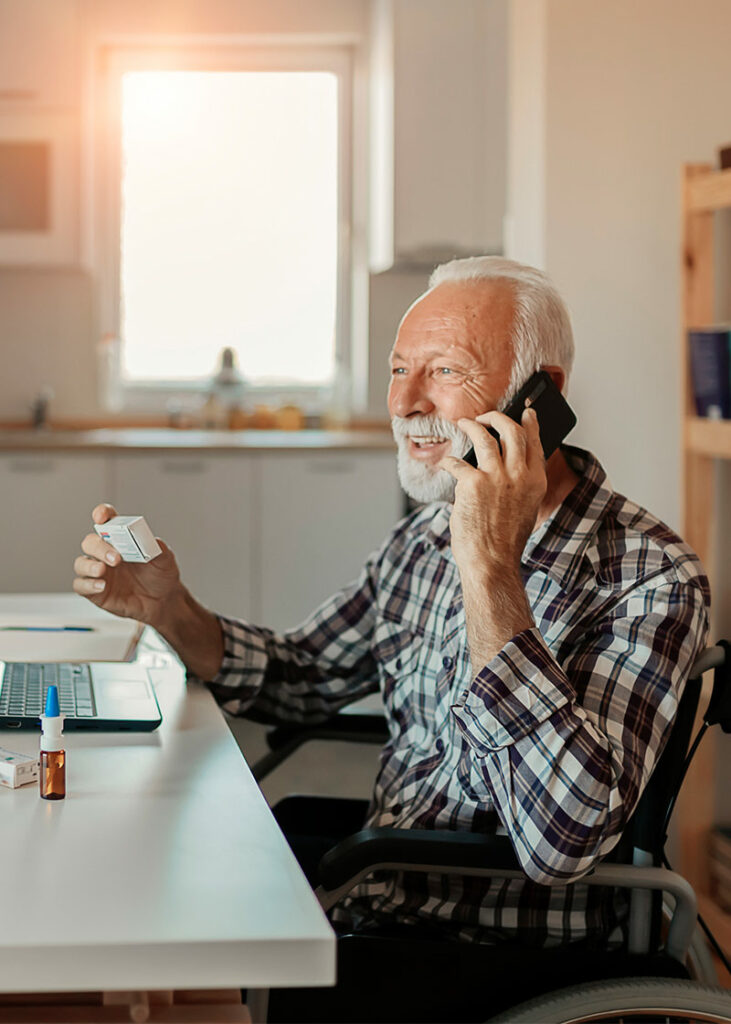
(163, 867)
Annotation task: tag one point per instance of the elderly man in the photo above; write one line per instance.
(530, 629)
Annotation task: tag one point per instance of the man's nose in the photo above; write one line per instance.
(409, 396)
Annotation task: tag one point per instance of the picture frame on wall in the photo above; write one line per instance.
(39, 187)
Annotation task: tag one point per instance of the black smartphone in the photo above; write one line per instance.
(555, 416)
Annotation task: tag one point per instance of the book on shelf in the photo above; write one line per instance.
(710, 367)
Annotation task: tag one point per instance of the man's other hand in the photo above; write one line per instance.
(130, 589)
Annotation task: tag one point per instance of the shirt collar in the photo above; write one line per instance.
(558, 546)
(437, 530)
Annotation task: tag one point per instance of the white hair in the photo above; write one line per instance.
(542, 334)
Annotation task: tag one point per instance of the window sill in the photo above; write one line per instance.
(181, 398)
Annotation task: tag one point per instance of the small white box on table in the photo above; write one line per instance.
(17, 769)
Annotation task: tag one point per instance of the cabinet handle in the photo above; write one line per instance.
(16, 95)
(32, 466)
(198, 466)
(328, 467)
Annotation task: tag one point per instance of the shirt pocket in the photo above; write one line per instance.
(402, 657)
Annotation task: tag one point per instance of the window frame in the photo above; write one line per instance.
(339, 57)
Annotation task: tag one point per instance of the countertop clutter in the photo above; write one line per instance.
(170, 439)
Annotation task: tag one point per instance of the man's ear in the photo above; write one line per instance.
(557, 375)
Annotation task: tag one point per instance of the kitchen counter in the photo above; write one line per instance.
(167, 439)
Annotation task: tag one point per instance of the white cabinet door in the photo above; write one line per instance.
(439, 129)
(39, 53)
(321, 515)
(45, 512)
(200, 505)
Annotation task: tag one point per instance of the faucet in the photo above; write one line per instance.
(39, 408)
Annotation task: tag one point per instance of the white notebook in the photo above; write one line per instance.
(63, 627)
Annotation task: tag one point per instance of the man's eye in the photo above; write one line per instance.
(398, 371)
(442, 371)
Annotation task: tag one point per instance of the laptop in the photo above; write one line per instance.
(109, 696)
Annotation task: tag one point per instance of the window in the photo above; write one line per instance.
(227, 220)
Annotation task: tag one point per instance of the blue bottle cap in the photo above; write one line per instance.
(52, 709)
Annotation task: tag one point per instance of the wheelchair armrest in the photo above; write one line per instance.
(718, 711)
(402, 848)
(472, 853)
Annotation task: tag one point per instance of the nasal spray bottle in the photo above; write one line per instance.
(53, 755)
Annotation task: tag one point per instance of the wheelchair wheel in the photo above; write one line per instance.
(626, 1001)
(699, 960)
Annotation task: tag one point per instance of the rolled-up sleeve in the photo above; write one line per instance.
(564, 750)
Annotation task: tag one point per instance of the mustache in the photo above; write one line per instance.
(430, 425)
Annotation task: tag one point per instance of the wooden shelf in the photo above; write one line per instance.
(711, 191)
(708, 437)
(705, 190)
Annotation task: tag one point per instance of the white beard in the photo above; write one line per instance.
(421, 482)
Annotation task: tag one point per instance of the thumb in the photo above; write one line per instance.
(103, 513)
(457, 468)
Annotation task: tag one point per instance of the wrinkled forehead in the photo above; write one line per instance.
(471, 316)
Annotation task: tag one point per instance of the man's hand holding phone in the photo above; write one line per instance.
(496, 504)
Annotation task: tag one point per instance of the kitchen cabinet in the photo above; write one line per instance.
(47, 498)
(320, 517)
(438, 130)
(39, 53)
(201, 505)
(40, 152)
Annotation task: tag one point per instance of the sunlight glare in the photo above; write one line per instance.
(229, 224)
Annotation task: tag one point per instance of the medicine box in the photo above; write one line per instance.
(131, 537)
(17, 769)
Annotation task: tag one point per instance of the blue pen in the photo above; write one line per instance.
(46, 629)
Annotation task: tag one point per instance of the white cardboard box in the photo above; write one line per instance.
(131, 537)
(17, 769)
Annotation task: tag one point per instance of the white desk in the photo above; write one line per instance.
(162, 869)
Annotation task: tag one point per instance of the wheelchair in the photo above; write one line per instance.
(662, 971)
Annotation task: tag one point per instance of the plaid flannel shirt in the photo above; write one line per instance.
(558, 733)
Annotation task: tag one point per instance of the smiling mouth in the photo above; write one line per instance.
(427, 442)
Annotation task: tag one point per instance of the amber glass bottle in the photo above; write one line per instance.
(53, 774)
(53, 756)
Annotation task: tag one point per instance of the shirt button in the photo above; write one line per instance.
(398, 663)
(439, 745)
(396, 810)
(447, 662)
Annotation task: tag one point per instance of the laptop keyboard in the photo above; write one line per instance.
(25, 685)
